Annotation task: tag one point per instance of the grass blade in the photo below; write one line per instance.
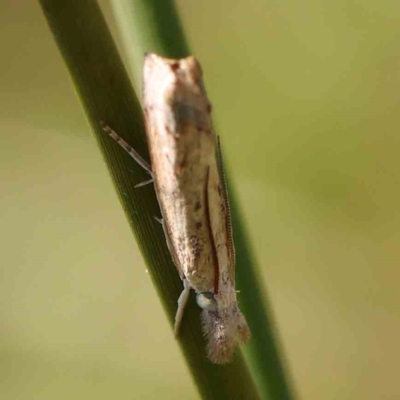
(106, 94)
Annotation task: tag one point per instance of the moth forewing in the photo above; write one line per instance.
(225, 326)
(181, 149)
(190, 187)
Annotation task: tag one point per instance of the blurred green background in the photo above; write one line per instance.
(306, 99)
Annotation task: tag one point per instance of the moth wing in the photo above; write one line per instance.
(171, 249)
(228, 219)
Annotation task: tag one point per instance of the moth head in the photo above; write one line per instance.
(206, 301)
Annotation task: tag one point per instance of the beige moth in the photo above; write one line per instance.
(188, 176)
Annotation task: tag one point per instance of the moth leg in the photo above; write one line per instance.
(144, 183)
(184, 296)
(182, 301)
(131, 151)
(160, 221)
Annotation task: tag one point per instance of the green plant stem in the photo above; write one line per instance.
(149, 26)
(106, 94)
(262, 352)
(153, 25)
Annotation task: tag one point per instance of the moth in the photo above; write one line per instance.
(187, 171)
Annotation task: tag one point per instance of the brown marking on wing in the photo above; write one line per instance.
(182, 163)
(197, 247)
(213, 247)
(197, 205)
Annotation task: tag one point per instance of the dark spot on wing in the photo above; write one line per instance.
(197, 205)
(182, 163)
(185, 115)
(196, 247)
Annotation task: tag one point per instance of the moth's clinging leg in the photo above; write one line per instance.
(160, 221)
(182, 301)
(184, 296)
(144, 183)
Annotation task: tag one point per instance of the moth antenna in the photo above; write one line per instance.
(129, 149)
(228, 220)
